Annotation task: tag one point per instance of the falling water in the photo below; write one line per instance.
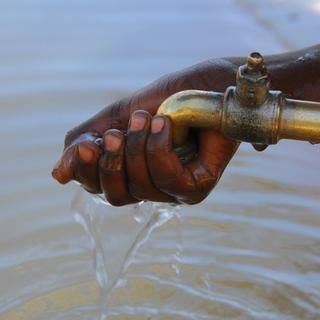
(249, 251)
(137, 222)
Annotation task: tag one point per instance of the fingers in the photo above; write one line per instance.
(214, 154)
(145, 167)
(86, 166)
(80, 162)
(112, 172)
(139, 181)
(192, 182)
(167, 172)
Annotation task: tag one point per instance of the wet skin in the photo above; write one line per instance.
(134, 160)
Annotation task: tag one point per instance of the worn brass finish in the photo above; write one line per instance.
(192, 109)
(300, 120)
(247, 112)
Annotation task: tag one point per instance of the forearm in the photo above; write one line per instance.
(297, 73)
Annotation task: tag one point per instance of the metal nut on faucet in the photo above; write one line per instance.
(247, 112)
(253, 81)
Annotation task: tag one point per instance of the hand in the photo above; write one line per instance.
(141, 164)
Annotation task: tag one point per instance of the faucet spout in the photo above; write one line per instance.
(192, 109)
(248, 112)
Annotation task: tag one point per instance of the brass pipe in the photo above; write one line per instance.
(192, 109)
(247, 112)
(300, 120)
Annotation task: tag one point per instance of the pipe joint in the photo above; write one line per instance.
(247, 112)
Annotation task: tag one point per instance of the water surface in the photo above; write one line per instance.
(250, 251)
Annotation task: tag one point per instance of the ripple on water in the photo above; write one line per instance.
(250, 251)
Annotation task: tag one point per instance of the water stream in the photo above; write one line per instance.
(249, 251)
(96, 216)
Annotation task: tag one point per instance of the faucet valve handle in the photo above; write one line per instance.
(247, 112)
(252, 81)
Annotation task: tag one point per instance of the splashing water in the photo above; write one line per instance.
(117, 234)
(155, 261)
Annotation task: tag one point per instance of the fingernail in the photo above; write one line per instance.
(85, 153)
(157, 125)
(112, 142)
(138, 121)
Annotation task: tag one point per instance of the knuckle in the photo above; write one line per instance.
(117, 114)
(113, 113)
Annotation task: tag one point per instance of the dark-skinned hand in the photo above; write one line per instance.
(134, 159)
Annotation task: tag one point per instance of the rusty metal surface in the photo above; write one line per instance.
(248, 112)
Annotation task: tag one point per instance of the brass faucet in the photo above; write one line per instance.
(247, 112)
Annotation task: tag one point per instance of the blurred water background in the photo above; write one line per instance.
(250, 251)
